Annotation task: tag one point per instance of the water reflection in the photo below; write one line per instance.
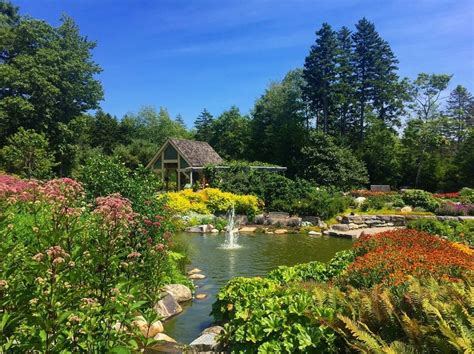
(259, 254)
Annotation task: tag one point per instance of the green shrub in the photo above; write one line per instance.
(418, 198)
(431, 226)
(454, 230)
(102, 175)
(467, 195)
(265, 317)
(313, 271)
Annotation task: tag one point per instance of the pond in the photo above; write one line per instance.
(258, 254)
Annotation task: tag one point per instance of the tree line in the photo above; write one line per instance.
(346, 115)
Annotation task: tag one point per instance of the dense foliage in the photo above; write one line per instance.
(314, 308)
(452, 230)
(74, 275)
(279, 193)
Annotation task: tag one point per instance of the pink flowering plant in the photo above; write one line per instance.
(75, 274)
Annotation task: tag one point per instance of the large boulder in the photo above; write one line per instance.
(180, 292)
(241, 220)
(161, 337)
(148, 330)
(167, 307)
(197, 276)
(207, 341)
(341, 227)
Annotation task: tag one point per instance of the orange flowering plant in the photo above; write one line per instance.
(391, 257)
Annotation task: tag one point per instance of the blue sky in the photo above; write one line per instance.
(187, 55)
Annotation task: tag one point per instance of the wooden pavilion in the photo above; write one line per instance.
(181, 162)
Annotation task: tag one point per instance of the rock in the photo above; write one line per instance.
(294, 221)
(213, 329)
(306, 223)
(148, 330)
(201, 296)
(465, 218)
(259, 219)
(314, 220)
(161, 337)
(207, 341)
(353, 226)
(179, 291)
(339, 218)
(200, 228)
(447, 218)
(248, 229)
(314, 233)
(278, 214)
(241, 220)
(406, 209)
(194, 229)
(194, 271)
(323, 225)
(341, 227)
(167, 307)
(269, 232)
(281, 231)
(197, 276)
(214, 231)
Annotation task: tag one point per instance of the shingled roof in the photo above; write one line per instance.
(196, 153)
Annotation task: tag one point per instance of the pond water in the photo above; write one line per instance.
(258, 254)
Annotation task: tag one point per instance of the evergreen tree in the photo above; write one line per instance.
(320, 74)
(179, 119)
(459, 103)
(345, 84)
(203, 125)
(375, 78)
(106, 132)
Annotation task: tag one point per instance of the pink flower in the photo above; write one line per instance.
(38, 257)
(134, 254)
(115, 211)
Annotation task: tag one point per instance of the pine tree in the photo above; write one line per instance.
(179, 119)
(460, 102)
(375, 78)
(320, 76)
(344, 87)
(203, 125)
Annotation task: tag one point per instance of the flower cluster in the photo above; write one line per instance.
(452, 195)
(455, 209)
(390, 257)
(62, 190)
(15, 189)
(114, 210)
(366, 193)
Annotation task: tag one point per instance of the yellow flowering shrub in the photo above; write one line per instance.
(183, 202)
(211, 200)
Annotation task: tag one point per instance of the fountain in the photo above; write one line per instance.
(231, 234)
